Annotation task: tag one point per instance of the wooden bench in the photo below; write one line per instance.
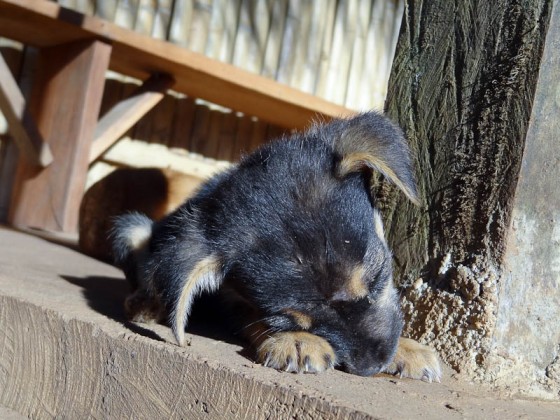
(57, 129)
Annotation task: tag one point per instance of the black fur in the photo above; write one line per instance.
(284, 232)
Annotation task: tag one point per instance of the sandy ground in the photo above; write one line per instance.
(37, 275)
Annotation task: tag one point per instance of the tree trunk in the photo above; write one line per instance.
(462, 88)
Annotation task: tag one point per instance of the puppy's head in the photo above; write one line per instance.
(315, 258)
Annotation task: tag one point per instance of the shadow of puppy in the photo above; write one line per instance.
(105, 295)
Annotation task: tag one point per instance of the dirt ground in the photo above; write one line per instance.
(62, 312)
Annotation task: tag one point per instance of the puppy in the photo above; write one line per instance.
(152, 191)
(292, 239)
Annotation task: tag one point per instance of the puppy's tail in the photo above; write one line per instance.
(130, 235)
(371, 140)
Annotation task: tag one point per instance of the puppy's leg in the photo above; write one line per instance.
(296, 351)
(142, 306)
(415, 360)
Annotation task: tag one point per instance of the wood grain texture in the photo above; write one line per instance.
(462, 86)
(79, 371)
(22, 127)
(65, 103)
(126, 113)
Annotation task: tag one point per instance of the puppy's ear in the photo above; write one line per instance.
(372, 141)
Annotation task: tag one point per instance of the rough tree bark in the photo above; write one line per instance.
(462, 87)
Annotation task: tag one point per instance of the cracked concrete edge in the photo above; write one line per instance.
(66, 352)
(8, 414)
(66, 368)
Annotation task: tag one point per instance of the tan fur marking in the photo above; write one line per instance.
(378, 223)
(200, 272)
(296, 352)
(303, 320)
(416, 361)
(356, 286)
(353, 162)
(386, 297)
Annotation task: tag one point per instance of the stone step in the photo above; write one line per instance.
(67, 352)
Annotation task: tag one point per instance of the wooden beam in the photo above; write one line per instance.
(65, 102)
(127, 113)
(20, 124)
(140, 56)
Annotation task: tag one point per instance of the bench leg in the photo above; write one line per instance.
(65, 103)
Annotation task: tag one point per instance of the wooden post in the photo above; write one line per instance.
(21, 126)
(462, 86)
(65, 103)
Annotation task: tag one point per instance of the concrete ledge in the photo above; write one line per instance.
(66, 352)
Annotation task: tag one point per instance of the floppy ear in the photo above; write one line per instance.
(370, 140)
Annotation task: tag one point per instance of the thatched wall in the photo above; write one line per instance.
(340, 50)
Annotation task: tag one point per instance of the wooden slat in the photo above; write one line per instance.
(41, 23)
(65, 102)
(127, 113)
(20, 124)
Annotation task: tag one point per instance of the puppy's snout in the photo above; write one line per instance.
(365, 370)
(367, 361)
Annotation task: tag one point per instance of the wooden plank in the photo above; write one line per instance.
(162, 120)
(42, 23)
(20, 124)
(127, 112)
(183, 120)
(65, 103)
(200, 129)
(12, 53)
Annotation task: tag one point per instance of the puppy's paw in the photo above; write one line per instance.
(296, 352)
(141, 307)
(416, 361)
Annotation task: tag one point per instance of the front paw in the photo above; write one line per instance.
(416, 361)
(296, 352)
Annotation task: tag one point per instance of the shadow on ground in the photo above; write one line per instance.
(106, 296)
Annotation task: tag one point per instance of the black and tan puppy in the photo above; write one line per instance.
(292, 238)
